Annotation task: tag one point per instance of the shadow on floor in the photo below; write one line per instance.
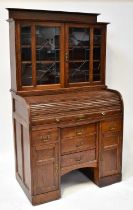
(73, 181)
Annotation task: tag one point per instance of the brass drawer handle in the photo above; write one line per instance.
(78, 160)
(45, 138)
(80, 144)
(112, 128)
(81, 117)
(79, 133)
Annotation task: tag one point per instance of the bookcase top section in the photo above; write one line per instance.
(29, 14)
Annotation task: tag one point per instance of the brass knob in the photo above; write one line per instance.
(103, 113)
(57, 120)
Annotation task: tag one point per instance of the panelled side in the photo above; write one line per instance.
(22, 142)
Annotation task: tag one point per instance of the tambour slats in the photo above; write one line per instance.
(61, 105)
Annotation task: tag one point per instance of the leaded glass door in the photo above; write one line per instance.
(97, 50)
(78, 54)
(61, 55)
(47, 55)
(42, 60)
(84, 48)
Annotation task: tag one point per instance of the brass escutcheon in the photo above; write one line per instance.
(45, 138)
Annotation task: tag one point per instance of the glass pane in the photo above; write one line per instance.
(79, 52)
(47, 55)
(26, 66)
(26, 74)
(25, 35)
(97, 55)
(48, 73)
(26, 54)
(79, 71)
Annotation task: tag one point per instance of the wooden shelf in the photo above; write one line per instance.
(26, 46)
(97, 60)
(79, 47)
(97, 46)
(81, 61)
(70, 61)
(26, 62)
(78, 61)
(71, 48)
(41, 46)
(47, 62)
(37, 46)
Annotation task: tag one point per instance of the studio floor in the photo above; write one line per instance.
(78, 193)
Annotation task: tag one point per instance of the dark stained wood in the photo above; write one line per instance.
(19, 151)
(23, 14)
(26, 158)
(111, 125)
(78, 144)
(78, 158)
(45, 136)
(46, 168)
(41, 198)
(85, 130)
(56, 89)
(64, 38)
(63, 127)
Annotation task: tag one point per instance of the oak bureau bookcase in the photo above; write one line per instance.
(64, 116)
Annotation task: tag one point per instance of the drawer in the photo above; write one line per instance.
(111, 125)
(77, 131)
(42, 153)
(110, 140)
(42, 136)
(77, 144)
(78, 158)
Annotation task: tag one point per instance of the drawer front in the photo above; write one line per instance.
(110, 140)
(78, 158)
(77, 131)
(111, 125)
(77, 144)
(43, 136)
(45, 168)
(44, 152)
